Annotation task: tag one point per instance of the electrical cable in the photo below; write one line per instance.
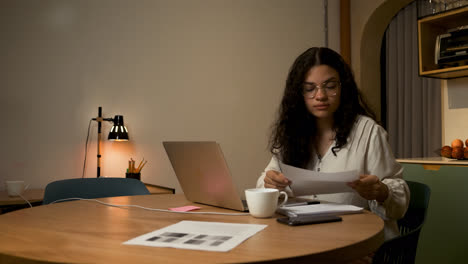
(146, 208)
(25, 199)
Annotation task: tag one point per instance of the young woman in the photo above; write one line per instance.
(325, 125)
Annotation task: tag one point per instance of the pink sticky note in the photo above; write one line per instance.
(185, 208)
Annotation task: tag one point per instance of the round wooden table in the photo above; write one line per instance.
(89, 232)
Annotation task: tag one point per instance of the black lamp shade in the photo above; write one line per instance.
(118, 131)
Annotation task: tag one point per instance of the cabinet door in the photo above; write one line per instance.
(444, 236)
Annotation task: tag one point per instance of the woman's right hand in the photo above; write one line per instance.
(275, 179)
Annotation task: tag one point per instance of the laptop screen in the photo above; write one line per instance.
(203, 173)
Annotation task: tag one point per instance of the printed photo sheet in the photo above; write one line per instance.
(210, 236)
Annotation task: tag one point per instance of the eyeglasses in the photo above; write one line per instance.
(329, 87)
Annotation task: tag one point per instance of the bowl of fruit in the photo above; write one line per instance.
(456, 150)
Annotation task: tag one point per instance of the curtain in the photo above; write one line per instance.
(413, 103)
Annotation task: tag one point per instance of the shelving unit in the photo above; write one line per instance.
(428, 29)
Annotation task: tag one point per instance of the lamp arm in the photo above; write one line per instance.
(99, 142)
(99, 119)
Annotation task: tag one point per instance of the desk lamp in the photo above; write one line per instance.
(118, 132)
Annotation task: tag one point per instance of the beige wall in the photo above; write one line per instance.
(176, 70)
(360, 10)
(454, 120)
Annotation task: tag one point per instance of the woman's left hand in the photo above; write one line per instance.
(370, 188)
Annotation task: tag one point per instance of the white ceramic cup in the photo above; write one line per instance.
(263, 202)
(15, 188)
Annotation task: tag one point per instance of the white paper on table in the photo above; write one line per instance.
(210, 236)
(307, 182)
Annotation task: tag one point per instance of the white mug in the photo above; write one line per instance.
(263, 202)
(15, 188)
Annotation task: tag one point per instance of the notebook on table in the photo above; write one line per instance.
(322, 209)
(203, 173)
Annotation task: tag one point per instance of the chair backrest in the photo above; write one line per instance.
(402, 249)
(417, 209)
(90, 188)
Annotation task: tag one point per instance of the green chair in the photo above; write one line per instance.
(402, 249)
(90, 188)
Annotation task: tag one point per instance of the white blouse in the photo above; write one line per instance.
(368, 152)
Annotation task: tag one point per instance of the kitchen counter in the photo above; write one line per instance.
(434, 163)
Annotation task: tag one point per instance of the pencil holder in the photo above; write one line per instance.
(133, 175)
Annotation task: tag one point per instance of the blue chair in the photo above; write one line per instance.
(91, 188)
(402, 249)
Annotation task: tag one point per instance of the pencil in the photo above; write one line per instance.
(139, 165)
(142, 166)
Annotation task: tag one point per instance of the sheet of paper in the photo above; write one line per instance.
(307, 182)
(320, 209)
(210, 236)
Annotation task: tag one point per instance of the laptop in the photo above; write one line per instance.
(203, 173)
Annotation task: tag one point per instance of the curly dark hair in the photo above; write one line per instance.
(295, 128)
